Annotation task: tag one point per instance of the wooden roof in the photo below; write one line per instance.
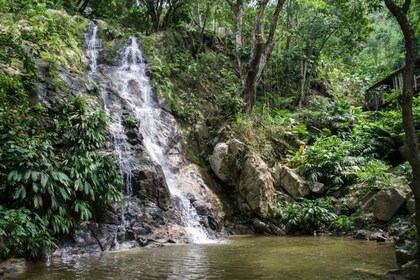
(389, 77)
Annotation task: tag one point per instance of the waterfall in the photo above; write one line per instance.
(93, 45)
(132, 91)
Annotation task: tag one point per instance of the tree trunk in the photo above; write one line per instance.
(413, 153)
(250, 94)
(251, 68)
(302, 87)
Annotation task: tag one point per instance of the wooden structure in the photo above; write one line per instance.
(375, 95)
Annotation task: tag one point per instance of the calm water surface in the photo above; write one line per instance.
(236, 258)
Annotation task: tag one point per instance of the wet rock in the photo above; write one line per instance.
(255, 187)
(109, 214)
(85, 237)
(13, 266)
(105, 234)
(201, 207)
(370, 235)
(316, 187)
(150, 183)
(190, 197)
(197, 185)
(236, 226)
(266, 227)
(275, 230)
(289, 180)
(387, 203)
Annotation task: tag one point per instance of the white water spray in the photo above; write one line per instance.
(133, 92)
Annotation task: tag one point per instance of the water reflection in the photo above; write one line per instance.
(239, 258)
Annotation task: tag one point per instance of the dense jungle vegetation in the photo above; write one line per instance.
(287, 77)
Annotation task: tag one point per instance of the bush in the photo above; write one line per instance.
(54, 170)
(23, 234)
(336, 116)
(374, 175)
(343, 224)
(306, 216)
(329, 160)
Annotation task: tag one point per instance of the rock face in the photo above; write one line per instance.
(255, 188)
(387, 203)
(289, 180)
(149, 183)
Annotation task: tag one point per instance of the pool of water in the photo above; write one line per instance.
(246, 257)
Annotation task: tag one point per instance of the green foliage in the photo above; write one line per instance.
(230, 101)
(23, 234)
(192, 82)
(51, 165)
(343, 224)
(374, 175)
(336, 116)
(305, 215)
(383, 131)
(329, 160)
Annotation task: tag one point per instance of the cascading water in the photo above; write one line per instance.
(93, 46)
(158, 128)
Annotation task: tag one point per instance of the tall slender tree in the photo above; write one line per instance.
(260, 46)
(411, 149)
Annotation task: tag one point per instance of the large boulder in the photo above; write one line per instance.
(289, 180)
(387, 203)
(226, 159)
(255, 188)
(219, 162)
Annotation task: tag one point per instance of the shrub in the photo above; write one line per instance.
(343, 224)
(306, 215)
(374, 175)
(329, 160)
(23, 234)
(54, 168)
